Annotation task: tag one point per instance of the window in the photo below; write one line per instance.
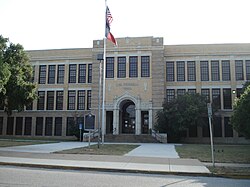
(180, 71)
(41, 100)
(27, 125)
(58, 126)
(70, 125)
(191, 71)
(29, 106)
(206, 94)
(133, 66)
(180, 92)
(110, 67)
(170, 95)
(72, 73)
(239, 91)
(204, 71)
(39, 126)
(59, 100)
(170, 71)
(227, 98)
(52, 74)
(48, 126)
(42, 74)
(145, 66)
(1, 125)
(19, 125)
(60, 74)
(89, 100)
(226, 70)
(239, 70)
(228, 127)
(216, 98)
(121, 66)
(217, 128)
(90, 73)
(10, 125)
(81, 100)
(82, 73)
(192, 131)
(192, 91)
(205, 128)
(215, 70)
(50, 100)
(248, 69)
(71, 99)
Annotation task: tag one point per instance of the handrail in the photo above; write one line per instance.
(159, 137)
(92, 134)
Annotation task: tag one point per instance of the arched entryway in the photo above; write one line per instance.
(127, 117)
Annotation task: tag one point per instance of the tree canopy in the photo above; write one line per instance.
(181, 113)
(16, 87)
(241, 113)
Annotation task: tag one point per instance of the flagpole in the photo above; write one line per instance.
(104, 77)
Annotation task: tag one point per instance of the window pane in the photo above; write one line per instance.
(28, 126)
(121, 72)
(10, 125)
(81, 100)
(71, 99)
(58, 126)
(215, 71)
(145, 66)
(191, 71)
(226, 70)
(181, 92)
(228, 127)
(181, 71)
(48, 126)
(70, 125)
(82, 73)
(19, 125)
(206, 93)
(60, 74)
(216, 98)
(170, 95)
(217, 128)
(52, 74)
(110, 67)
(248, 69)
(41, 100)
(204, 71)
(72, 73)
(39, 126)
(42, 74)
(50, 100)
(1, 125)
(239, 70)
(170, 71)
(59, 100)
(227, 98)
(90, 73)
(133, 66)
(89, 100)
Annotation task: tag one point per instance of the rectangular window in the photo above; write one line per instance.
(71, 99)
(1, 125)
(170, 71)
(170, 95)
(191, 71)
(10, 125)
(59, 100)
(239, 70)
(90, 73)
(248, 69)
(227, 98)
(89, 100)
(58, 126)
(50, 100)
(60, 74)
(217, 128)
(19, 125)
(192, 91)
(121, 67)
(110, 67)
(239, 91)
(72, 73)
(192, 131)
(226, 70)
(215, 70)
(181, 92)
(205, 128)
(204, 71)
(216, 98)
(228, 127)
(206, 94)
(48, 126)
(180, 70)
(81, 100)
(145, 66)
(42, 74)
(52, 74)
(41, 100)
(39, 126)
(70, 126)
(82, 73)
(27, 126)
(133, 66)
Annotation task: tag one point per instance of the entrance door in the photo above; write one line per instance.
(144, 122)
(128, 118)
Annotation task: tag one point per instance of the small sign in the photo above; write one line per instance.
(209, 109)
(89, 122)
(80, 126)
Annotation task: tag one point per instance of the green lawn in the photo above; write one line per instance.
(222, 153)
(19, 142)
(106, 149)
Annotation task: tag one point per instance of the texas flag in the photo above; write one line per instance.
(109, 20)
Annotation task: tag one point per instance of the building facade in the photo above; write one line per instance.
(141, 73)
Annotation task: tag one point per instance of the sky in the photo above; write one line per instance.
(57, 24)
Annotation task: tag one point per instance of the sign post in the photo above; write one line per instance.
(80, 128)
(89, 124)
(209, 111)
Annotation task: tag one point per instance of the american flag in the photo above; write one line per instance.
(109, 16)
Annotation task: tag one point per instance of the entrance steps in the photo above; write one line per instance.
(130, 138)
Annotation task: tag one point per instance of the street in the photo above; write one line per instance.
(19, 176)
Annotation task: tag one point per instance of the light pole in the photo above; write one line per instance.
(100, 58)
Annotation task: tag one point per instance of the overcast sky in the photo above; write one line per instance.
(55, 24)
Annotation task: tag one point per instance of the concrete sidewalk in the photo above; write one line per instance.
(138, 160)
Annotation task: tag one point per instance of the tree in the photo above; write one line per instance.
(181, 113)
(240, 119)
(17, 89)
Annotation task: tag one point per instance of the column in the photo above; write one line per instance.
(115, 121)
(150, 119)
(138, 122)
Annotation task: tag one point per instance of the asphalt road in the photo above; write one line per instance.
(18, 176)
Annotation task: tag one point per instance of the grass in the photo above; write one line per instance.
(20, 142)
(106, 149)
(235, 172)
(222, 153)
